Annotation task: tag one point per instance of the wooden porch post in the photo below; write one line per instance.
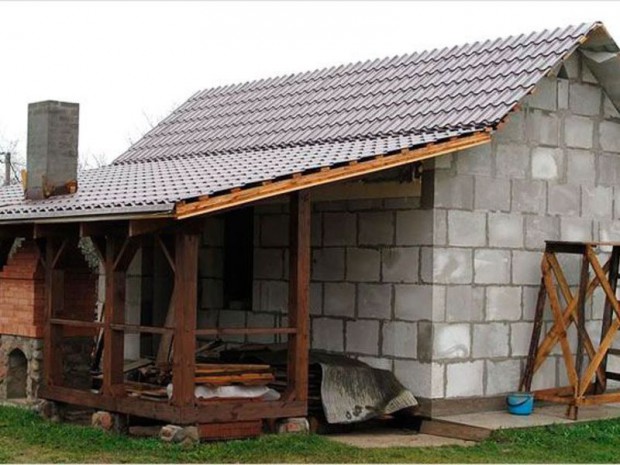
(118, 256)
(185, 297)
(54, 303)
(299, 284)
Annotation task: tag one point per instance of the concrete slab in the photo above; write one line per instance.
(392, 437)
(542, 415)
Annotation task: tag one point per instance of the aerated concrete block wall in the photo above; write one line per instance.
(552, 172)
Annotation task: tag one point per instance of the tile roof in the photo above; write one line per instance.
(238, 135)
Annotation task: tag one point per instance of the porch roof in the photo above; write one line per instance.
(235, 144)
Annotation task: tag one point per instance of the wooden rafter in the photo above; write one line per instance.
(317, 178)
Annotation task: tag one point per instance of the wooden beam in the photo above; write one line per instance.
(186, 306)
(340, 173)
(299, 284)
(104, 228)
(54, 303)
(65, 230)
(113, 340)
(11, 231)
(140, 227)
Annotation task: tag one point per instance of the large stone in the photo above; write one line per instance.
(476, 160)
(564, 200)
(575, 229)
(400, 264)
(400, 339)
(413, 302)
(451, 341)
(466, 229)
(528, 196)
(585, 99)
(339, 228)
(526, 267)
(464, 303)
(293, 425)
(363, 264)
(490, 340)
(274, 230)
(512, 161)
(520, 336)
(547, 163)
(422, 379)
(453, 191)
(376, 228)
(545, 95)
(452, 266)
(539, 229)
(363, 337)
(172, 433)
(580, 168)
(464, 379)
(578, 132)
(503, 303)
(491, 266)
(492, 194)
(414, 227)
(374, 301)
(543, 127)
(502, 376)
(328, 334)
(505, 230)
(596, 202)
(339, 299)
(328, 264)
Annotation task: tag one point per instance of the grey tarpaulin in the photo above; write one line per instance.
(352, 391)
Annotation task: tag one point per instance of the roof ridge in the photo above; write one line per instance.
(360, 65)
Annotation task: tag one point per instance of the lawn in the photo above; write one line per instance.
(24, 437)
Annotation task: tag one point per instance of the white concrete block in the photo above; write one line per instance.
(451, 341)
(491, 340)
(503, 303)
(464, 379)
(502, 376)
(362, 337)
(328, 334)
(466, 229)
(505, 230)
(400, 339)
(491, 266)
(400, 264)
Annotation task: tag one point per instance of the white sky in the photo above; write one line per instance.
(127, 63)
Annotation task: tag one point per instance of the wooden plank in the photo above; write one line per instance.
(113, 340)
(62, 230)
(450, 429)
(299, 284)
(238, 331)
(568, 298)
(607, 310)
(54, 303)
(372, 165)
(554, 303)
(581, 321)
(104, 228)
(133, 329)
(602, 350)
(75, 323)
(186, 305)
(145, 226)
(164, 351)
(552, 336)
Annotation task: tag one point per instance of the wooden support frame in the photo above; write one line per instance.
(299, 284)
(581, 390)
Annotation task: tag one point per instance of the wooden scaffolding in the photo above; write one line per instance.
(587, 376)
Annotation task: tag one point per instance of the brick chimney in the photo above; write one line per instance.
(52, 157)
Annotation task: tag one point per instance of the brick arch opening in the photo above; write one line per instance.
(17, 375)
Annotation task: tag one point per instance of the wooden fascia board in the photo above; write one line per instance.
(379, 163)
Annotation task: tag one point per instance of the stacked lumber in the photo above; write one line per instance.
(146, 391)
(315, 407)
(216, 374)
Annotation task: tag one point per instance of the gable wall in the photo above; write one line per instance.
(552, 172)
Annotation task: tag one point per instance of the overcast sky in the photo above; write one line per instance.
(129, 64)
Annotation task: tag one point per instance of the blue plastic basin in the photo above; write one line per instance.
(520, 403)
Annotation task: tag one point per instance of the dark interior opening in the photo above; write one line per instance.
(17, 375)
(238, 258)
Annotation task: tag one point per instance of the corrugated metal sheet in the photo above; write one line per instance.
(238, 135)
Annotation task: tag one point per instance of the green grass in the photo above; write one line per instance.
(26, 438)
